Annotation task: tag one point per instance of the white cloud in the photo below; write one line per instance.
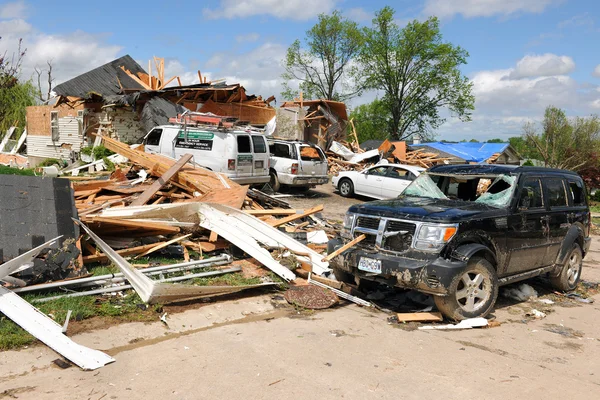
(248, 37)
(580, 20)
(543, 65)
(596, 72)
(484, 8)
(359, 14)
(290, 9)
(16, 9)
(16, 27)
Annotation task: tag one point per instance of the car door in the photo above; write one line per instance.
(244, 159)
(261, 156)
(369, 182)
(395, 181)
(528, 233)
(558, 218)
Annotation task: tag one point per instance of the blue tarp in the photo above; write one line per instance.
(469, 151)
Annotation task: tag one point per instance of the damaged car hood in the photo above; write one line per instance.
(427, 209)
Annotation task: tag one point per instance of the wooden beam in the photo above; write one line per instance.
(162, 181)
(135, 78)
(345, 247)
(162, 245)
(167, 82)
(134, 224)
(294, 217)
(277, 211)
(213, 236)
(179, 81)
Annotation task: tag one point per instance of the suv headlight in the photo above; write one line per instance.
(348, 223)
(434, 237)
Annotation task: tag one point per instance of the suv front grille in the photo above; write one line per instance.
(368, 223)
(395, 226)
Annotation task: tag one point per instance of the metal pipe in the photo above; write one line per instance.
(208, 262)
(124, 287)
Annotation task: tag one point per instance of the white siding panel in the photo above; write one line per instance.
(69, 140)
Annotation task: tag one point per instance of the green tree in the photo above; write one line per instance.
(496, 141)
(371, 121)
(565, 143)
(14, 94)
(521, 146)
(418, 72)
(323, 67)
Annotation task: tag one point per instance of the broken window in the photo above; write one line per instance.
(399, 173)
(493, 190)
(243, 143)
(259, 145)
(54, 125)
(557, 195)
(577, 193)
(281, 150)
(379, 171)
(309, 153)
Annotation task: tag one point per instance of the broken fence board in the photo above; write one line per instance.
(345, 247)
(294, 217)
(163, 245)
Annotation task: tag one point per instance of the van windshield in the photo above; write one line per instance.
(493, 190)
(309, 153)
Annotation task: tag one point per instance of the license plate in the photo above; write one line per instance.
(369, 265)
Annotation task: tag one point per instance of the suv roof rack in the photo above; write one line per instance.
(209, 120)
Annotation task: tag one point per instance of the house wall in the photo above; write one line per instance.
(39, 135)
(122, 124)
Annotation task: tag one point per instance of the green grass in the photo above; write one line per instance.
(4, 170)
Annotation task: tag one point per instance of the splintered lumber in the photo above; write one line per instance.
(94, 258)
(162, 181)
(213, 236)
(294, 217)
(109, 223)
(420, 317)
(163, 245)
(207, 247)
(277, 211)
(345, 247)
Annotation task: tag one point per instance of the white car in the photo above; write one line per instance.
(383, 181)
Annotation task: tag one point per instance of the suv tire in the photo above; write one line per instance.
(570, 273)
(472, 293)
(346, 187)
(274, 181)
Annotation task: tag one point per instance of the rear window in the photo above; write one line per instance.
(153, 138)
(557, 195)
(309, 153)
(243, 143)
(577, 193)
(259, 145)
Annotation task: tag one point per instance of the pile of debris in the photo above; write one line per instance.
(348, 156)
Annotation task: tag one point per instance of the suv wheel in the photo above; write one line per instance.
(472, 293)
(346, 187)
(274, 182)
(571, 271)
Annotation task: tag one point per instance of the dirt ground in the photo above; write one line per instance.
(257, 346)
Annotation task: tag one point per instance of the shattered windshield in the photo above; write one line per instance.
(493, 190)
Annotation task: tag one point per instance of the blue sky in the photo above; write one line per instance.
(524, 54)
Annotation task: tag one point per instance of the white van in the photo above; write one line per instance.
(242, 155)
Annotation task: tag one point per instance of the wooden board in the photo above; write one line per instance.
(291, 218)
(162, 181)
(345, 247)
(124, 253)
(420, 317)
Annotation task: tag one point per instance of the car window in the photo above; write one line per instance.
(153, 138)
(281, 150)
(379, 171)
(557, 195)
(258, 143)
(243, 143)
(577, 193)
(399, 173)
(531, 194)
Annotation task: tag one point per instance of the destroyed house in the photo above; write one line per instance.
(120, 99)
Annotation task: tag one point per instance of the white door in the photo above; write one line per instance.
(261, 155)
(244, 159)
(370, 181)
(395, 181)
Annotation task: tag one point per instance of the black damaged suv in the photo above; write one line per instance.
(459, 232)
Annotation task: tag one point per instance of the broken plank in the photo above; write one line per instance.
(160, 182)
(294, 217)
(213, 236)
(207, 246)
(345, 247)
(277, 211)
(134, 224)
(163, 245)
(420, 317)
